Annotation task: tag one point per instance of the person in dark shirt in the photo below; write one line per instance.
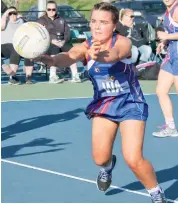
(60, 39)
(127, 28)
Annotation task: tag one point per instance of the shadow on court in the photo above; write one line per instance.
(37, 122)
(10, 151)
(165, 175)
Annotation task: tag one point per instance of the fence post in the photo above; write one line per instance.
(41, 7)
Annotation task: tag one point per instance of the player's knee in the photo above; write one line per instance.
(100, 159)
(134, 163)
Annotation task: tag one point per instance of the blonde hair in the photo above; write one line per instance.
(123, 12)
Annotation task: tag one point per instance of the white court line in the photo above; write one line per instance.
(40, 82)
(47, 99)
(75, 177)
(72, 98)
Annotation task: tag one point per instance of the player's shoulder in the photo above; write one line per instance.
(176, 10)
(175, 14)
(120, 39)
(86, 44)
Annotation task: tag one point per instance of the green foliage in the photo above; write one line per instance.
(25, 5)
(77, 4)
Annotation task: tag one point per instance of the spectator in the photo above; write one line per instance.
(126, 27)
(9, 24)
(60, 37)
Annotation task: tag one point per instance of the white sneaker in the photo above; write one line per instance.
(55, 80)
(166, 131)
(76, 78)
(158, 197)
(42, 70)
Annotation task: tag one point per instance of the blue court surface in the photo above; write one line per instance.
(46, 155)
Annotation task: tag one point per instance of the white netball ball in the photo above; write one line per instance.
(31, 40)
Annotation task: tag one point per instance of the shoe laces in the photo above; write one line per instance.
(162, 127)
(103, 175)
(158, 197)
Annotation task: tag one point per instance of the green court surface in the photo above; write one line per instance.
(65, 90)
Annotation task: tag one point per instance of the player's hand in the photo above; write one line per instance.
(162, 35)
(94, 49)
(160, 48)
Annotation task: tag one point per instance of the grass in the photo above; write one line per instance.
(25, 5)
(84, 6)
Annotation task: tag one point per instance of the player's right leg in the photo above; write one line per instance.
(103, 136)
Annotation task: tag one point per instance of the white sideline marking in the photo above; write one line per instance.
(75, 177)
(47, 99)
(72, 98)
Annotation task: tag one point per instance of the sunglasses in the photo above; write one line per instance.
(51, 9)
(130, 16)
(12, 13)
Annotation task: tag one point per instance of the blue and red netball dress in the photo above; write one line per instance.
(170, 63)
(117, 93)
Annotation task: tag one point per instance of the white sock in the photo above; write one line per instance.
(155, 189)
(170, 124)
(52, 71)
(108, 167)
(73, 69)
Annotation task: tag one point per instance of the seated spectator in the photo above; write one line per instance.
(60, 37)
(10, 21)
(126, 27)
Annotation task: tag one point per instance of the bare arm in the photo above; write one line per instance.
(164, 36)
(4, 20)
(64, 59)
(121, 50)
(172, 36)
(175, 15)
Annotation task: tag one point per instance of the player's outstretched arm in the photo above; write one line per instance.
(65, 59)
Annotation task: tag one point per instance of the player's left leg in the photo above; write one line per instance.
(132, 133)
